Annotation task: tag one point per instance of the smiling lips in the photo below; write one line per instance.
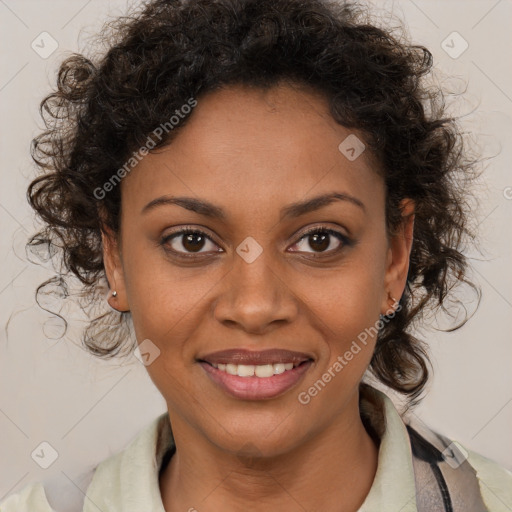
(250, 357)
(255, 375)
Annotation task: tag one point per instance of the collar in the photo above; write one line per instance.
(128, 481)
(393, 487)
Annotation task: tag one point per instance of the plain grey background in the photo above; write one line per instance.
(85, 408)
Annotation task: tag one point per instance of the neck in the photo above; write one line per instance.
(332, 471)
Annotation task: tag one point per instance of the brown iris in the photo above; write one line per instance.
(193, 242)
(321, 238)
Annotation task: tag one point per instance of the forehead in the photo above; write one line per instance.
(246, 145)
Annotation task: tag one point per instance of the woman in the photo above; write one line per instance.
(273, 196)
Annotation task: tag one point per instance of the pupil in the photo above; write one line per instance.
(321, 239)
(193, 246)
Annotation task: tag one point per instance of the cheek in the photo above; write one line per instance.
(160, 295)
(346, 306)
(164, 308)
(352, 292)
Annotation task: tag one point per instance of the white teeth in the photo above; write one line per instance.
(232, 369)
(279, 368)
(266, 370)
(249, 370)
(245, 370)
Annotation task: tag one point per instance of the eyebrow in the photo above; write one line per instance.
(293, 210)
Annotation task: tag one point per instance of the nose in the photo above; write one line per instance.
(255, 297)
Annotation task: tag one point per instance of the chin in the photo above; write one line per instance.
(259, 437)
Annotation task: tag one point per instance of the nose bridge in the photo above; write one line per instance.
(254, 294)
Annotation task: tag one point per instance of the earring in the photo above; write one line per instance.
(114, 294)
(394, 304)
(391, 309)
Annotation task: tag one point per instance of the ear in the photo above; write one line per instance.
(114, 270)
(399, 251)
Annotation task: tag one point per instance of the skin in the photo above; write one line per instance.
(252, 153)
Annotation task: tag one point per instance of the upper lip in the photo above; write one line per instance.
(251, 357)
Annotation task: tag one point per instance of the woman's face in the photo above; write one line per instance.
(252, 165)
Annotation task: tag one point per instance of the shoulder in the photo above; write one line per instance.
(464, 471)
(60, 493)
(495, 482)
(31, 498)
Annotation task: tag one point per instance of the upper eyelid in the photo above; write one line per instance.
(320, 228)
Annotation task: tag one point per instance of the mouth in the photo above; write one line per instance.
(253, 375)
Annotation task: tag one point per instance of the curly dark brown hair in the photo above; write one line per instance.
(167, 51)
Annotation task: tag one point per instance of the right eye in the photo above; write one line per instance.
(187, 242)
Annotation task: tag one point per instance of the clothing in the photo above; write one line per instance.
(128, 481)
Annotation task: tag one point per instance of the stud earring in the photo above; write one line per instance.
(395, 302)
(391, 309)
(393, 306)
(114, 294)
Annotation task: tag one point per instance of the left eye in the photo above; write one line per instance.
(320, 240)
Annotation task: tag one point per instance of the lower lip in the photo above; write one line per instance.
(256, 388)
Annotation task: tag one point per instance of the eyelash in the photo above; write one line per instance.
(345, 241)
